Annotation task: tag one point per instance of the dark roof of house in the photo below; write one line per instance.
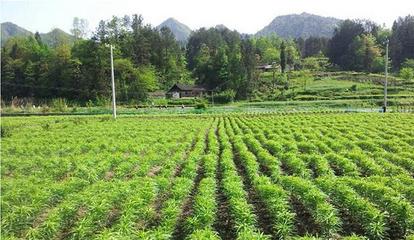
(185, 87)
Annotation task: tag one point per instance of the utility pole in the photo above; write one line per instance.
(386, 77)
(113, 84)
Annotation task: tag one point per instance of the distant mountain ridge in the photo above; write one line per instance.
(9, 29)
(181, 31)
(52, 38)
(287, 26)
(301, 25)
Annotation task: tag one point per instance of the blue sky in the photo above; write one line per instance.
(246, 16)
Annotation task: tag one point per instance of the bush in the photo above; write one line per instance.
(311, 63)
(354, 88)
(45, 109)
(407, 73)
(201, 106)
(89, 104)
(378, 65)
(59, 104)
(226, 96)
(102, 101)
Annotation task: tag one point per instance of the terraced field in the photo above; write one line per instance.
(267, 176)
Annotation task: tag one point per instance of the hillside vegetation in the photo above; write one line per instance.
(303, 25)
(53, 38)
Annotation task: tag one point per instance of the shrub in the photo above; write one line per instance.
(311, 63)
(354, 88)
(59, 104)
(103, 101)
(89, 104)
(407, 73)
(201, 106)
(45, 109)
(226, 96)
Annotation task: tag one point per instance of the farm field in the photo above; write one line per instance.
(236, 176)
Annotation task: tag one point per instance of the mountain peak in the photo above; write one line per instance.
(221, 27)
(302, 25)
(171, 19)
(9, 29)
(180, 30)
(53, 38)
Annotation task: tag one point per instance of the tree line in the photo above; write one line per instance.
(149, 59)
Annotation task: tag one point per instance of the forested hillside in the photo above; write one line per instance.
(301, 26)
(150, 58)
(53, 38)
(9, 30)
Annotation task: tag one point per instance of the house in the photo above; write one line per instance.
(182, 90)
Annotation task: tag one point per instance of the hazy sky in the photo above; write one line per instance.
(247, 16)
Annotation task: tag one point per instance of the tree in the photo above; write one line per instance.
(292, 55)
(80, 28)
(30, 77)
(134, 83)
(170, 63)
(315, 46)
(283, 58)
(101, 33)
(271, 55)
(7, 77)
(248, 59)
(151, 57)
(402, 39)
(408, 63)
(363, 53)
(95, 68)
(343, 36)
(38, 38)
(268, 49)
(202, 64)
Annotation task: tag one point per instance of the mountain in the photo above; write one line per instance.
(181, 31)
(9, 29)
(52, 38)
(301, 25)
(56, 37)
(221, 27)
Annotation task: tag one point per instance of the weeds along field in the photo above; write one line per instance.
(264, 176)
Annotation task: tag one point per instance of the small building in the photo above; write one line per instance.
(182, 90)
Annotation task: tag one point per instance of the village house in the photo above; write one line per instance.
(182, 90)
